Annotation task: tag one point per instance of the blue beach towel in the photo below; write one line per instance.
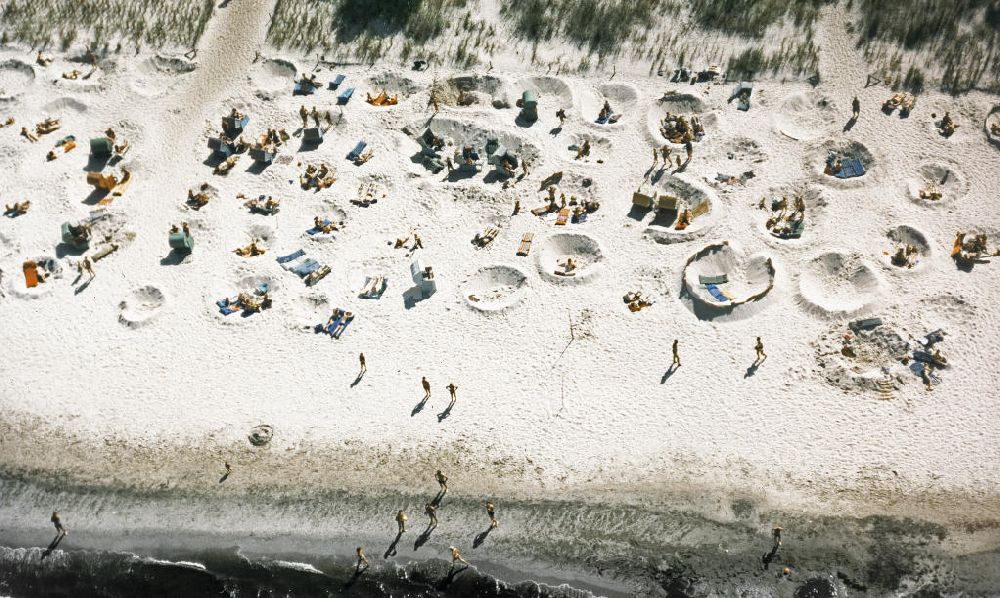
(356, 152)
(716, 292)
(345, 95)
(347, 323)
(291, 256)
(316, 231)
(305, 267)
(850, 168)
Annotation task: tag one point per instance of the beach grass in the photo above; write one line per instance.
(99, 23)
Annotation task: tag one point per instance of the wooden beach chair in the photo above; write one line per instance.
(563, 217)
(525, 247)
(30, 274)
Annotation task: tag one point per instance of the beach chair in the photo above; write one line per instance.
(181, 242)
(666, 202)
(717, 293)
(525, 247)
(313, 135)
(643, 201)
(337, 81)
(30, 274)
(487, 236)
(219, 147)
(119, 189)
(235, 125)
(284, 259)
(717, 279)
(355, 154)
(742, 93)
(104, 182)
(261, 154)
(345, 96)
(563, 217)
(101, 146)
(374, 287)
(303, 88)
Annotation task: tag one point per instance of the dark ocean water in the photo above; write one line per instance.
(78, 573)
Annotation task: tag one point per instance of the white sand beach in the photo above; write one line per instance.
(563, 393)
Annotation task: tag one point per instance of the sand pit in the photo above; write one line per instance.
(473, 90)
(158, 73)
(141, 306)
(845, 151)
(784, 229)
(16, 283)
(932, 177)
(495, 288)
(63, 105)
(552, 253)
(15, 77)
(622, 99)
(866, 359)
(701, 202)
(835, 285)
(273, 76)
(393, 84)
(679, 103)
(552, 93)
(304, 312)
(903, 236)
(246, 282)
(736, 279)
(261, 435)
(805, 116)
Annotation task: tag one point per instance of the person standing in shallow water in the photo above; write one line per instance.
(401, 521)
(456, 557)
(442, 481)
(362, 561)
(431, 511)
(491, 511)
(56, 521)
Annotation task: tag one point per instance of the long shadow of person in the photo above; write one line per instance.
(438, 498)
(444, 414)
(667, 374)
(53, 545)
(424, 537)
(481, 537)
(767, 558)
(450, 578)
(354, 578)
(850, 124)
(419, 407)
(392, 547)
(752, 369)
(357, 380)
(224, 477)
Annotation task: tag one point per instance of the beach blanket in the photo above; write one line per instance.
(30, 274)
(356, 152)
(865, 324)
(374, 287)
(849, 168)
(345, 95)
(283, 259)
(337, 81)
(717, 279)
(563, 217)
(306, 267)
(334, 324)
(343, 327)
(303, 88)
(717, 293)
(316, 230)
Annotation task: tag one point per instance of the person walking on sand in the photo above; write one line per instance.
(491, 511)
(229, 468)
(442, 481)
(776, 535)
(656, 157)
(856, 107)
(364, 368)
(451, 389)
(677, 356)
(759, 348)
(456, 557)
(418, 243)
(427, 387)
(304, 114)
(431, 511)
(362, 561)
(401, 520)
(58, 523)
(665, 153)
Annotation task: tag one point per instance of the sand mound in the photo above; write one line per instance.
(140, 306)
(156, 74)
(907, 235)
(470, 90)
(304, 312)
(552, 92)
(273, 75)
(261, 435)
(64, 105)
(494, 288)
(805, 116)
(15, 77)
(943, 177)
(679, 103)
(701, 201)
(748, 279)
(393, 84)
(835, 284)
(844, 150)
(621, 97)
(744, 150)
(553, 251)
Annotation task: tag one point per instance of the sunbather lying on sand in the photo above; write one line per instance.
(197, 200)
(42, 60)
(251, 250)
(72, 75)
(8, 122)
(27, 134)
(17, 209)
(227, 165)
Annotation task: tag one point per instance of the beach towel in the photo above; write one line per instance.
(345, 95)
(717, 279)
(30, 274)
(329, 328)
(337, 81)
(865, 324)
(850, 168)
(343, 327)
(563, 217)
(374, 287)
(282, 259)
(356, 152)
(229, 309)
(717, 293)
(525, 247)
(317, 276)
(305, 267)
(303, 88)
(315, 230)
